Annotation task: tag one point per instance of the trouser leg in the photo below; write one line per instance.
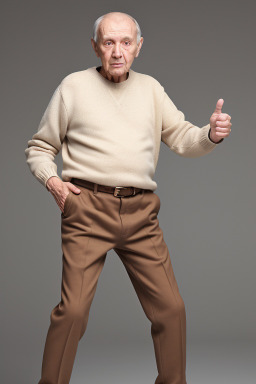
(83, 259)
(146, 258)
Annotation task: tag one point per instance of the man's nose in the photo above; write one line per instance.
(117, 52)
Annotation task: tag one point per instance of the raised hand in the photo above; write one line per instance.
(220, 123)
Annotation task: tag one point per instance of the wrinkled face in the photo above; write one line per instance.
(117, 45)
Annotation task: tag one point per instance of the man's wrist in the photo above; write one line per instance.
(212, 140)
(48, 183)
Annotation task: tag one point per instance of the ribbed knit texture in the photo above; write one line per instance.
(110, 133)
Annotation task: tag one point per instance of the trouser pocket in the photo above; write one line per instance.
(67, 204)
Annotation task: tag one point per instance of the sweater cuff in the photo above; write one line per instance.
(211, 139)
(205, 141)
(44, 174)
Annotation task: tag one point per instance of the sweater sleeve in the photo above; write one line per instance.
(181, 136)
(46, 142)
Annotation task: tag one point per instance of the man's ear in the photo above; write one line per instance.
(139, 46)
(95, 48)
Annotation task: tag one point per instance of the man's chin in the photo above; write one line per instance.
(117, 71)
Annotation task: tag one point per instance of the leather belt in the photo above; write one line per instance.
(116, 191)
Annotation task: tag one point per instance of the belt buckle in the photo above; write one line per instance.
(117, 189)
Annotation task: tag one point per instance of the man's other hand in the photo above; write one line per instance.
(60, 190)
(220, 123)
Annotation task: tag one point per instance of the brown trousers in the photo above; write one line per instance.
(93, 223)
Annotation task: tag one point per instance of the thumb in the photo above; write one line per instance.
(219, 105)
(73, 188)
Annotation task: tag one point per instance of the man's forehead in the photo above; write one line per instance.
(117, 34)
(111, 28)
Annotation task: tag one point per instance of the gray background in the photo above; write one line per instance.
(199, 51)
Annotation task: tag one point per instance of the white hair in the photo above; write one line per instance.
(97, 23)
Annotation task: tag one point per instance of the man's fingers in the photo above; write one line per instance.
(221, 134)
(73, 188)
(223, 123)
(224, 130)
(223, 116)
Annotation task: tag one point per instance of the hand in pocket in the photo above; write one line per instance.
(60, 190)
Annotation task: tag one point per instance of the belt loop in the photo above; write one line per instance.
(95, 188)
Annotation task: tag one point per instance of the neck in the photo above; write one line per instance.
(104, 74)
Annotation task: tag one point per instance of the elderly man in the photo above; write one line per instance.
(109, 121)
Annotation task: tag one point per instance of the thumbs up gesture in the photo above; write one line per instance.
(219, 123)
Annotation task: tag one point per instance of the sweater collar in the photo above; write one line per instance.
(112, 84)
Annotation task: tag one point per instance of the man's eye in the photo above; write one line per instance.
(109, 42)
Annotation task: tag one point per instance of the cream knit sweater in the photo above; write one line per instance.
(110, 133)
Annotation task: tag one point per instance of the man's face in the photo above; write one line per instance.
(117, 43)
